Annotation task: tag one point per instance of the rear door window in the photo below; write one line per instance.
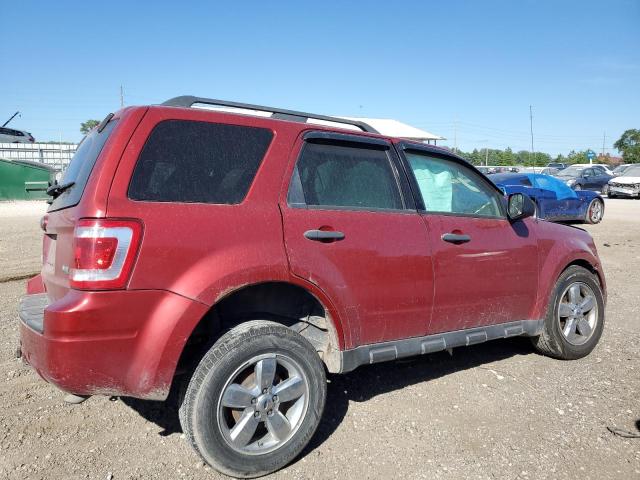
(80, 167)
(198, 162)
(342, 176)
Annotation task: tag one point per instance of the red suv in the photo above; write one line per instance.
(248, 250)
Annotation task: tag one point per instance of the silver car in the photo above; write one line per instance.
(9, 135)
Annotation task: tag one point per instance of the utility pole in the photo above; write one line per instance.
(455, 135)
(531, 127)
(121, 97)
(604, 136)
(12, 117)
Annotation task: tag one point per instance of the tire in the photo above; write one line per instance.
(553, 342)
(228, 388)
(595, 212)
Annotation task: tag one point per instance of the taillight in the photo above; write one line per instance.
(103, 253)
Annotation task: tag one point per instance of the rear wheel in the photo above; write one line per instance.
(595, 212)
(255, 399)
(575, 316)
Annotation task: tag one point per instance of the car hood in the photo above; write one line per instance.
(626, 180)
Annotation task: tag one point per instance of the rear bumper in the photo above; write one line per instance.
(112, 343)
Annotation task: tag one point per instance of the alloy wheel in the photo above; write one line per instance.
(263, 404)
(577, 313)
(595, 211)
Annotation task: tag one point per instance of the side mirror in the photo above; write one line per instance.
(520, 206)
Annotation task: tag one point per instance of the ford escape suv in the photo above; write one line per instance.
(245, 251)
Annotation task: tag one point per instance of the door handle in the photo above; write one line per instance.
(456, 238)
(323, 235)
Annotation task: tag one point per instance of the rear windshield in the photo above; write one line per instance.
(80, 167)
(188, 161)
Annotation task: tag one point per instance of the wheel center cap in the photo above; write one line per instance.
(264, 403)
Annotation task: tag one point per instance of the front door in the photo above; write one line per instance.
(351, 229)
(486, 268)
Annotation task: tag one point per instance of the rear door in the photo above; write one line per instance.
(352, 229)
(485, 267)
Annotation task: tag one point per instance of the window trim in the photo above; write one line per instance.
(354, 141)
(404, 146)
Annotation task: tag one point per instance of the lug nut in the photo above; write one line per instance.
(264, 390)
(256, 414)
(275, 398)
(270, 412)
(254, 401)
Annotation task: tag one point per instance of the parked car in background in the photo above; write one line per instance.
(9, 135)
(581, 177)
(549, 171)
(619, 170)
(554, 200)
(238, 258)
(600, 166)
(627, 184)
(559, 166)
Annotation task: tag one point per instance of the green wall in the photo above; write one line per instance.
(13, 176)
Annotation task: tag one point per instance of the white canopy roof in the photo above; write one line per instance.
(394, 128)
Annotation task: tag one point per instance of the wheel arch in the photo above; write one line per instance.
(292, 303)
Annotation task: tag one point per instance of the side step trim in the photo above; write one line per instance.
(385, 351)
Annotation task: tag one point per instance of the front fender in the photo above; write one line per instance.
(561, 246)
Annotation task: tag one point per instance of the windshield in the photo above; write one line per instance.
(632, 171)
(80, 167)
(620, 169)
(572, 171)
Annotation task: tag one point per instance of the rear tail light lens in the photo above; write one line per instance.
(104, 253)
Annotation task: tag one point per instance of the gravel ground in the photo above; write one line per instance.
(495, 410)
(20, 241)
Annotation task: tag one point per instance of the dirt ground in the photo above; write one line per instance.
(496, 410)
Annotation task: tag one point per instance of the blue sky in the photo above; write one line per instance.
(469, 67)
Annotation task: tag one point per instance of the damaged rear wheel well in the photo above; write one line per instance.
(284, 303)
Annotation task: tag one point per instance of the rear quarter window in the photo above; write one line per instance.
(198, 162)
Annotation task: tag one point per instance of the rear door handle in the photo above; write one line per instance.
(323, 235)
(456, 238)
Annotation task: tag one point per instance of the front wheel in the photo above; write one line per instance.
(255, 399)
(595, 211)
(575, 316)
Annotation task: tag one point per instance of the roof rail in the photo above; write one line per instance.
(277, 113)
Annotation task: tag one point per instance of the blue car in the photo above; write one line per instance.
(554, 200)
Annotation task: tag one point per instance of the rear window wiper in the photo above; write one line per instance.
(56, 189)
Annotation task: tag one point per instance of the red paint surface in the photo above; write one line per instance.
(391, 277)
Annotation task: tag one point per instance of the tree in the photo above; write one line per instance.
(629, 145)
(86, 127)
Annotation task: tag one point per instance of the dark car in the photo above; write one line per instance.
(583, 177)
(237, 258)
(555, 201)
(559, 166)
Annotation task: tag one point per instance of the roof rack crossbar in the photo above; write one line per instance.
(278, 113)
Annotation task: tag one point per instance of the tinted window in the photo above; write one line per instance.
(346, 176)
(80, 167)
(449, 187)
(187, 161)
